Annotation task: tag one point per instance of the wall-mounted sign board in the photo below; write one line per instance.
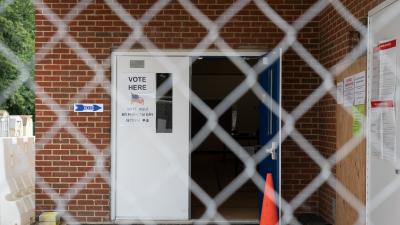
(350, 171)
(138, 99)
(84, 107)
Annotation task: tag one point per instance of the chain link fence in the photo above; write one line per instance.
(213, 27)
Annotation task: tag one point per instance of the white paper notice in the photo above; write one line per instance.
(138, 107)
(359, 88)
(383, 130)
(375, 76)
(387, 69)
(376, 132)
(384, 71)
(339, 92)
(388, 134)
(383, 117)
(348, 91)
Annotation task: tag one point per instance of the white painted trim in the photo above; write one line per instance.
(113, 131)
(280, 135)
(367, 129)
(180, 52)
(381, 7)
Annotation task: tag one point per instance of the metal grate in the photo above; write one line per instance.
(213, 27)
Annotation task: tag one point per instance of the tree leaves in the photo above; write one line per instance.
(17, 32)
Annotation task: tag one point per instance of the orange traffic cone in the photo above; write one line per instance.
(269, 215)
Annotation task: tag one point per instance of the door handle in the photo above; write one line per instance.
(272, 150)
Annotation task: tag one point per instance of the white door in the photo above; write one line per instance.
(150, 138)
(383, 167)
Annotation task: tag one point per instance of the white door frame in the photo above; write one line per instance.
(166, 53)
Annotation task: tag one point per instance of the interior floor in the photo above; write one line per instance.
(217, 171)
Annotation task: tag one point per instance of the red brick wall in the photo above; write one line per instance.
(335, 44)
(62, 159)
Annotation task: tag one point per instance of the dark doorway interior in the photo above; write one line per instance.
(213, 165)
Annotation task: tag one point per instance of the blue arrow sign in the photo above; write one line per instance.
(78, 107)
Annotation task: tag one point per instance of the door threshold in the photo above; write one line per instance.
(173, 222)
(187, 222)
(227, 221)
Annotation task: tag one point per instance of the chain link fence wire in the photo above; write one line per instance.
(250, 83)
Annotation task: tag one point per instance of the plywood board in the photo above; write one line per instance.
(351, 170)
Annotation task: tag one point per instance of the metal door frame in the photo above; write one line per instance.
(274, 70)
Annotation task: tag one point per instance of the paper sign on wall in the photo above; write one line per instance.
(359, 88)
(384, 71)
(138, 107)
(375, 132)
(348, 91)
(389, 134)
(387, 69)
(358, 113)
(383, 129)
(383, 116)
(339, 92)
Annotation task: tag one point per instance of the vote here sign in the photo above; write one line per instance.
(137, 107)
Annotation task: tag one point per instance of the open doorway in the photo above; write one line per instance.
(213, 164)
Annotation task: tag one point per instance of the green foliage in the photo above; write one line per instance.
(17, 32)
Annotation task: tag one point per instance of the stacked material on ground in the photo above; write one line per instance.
(17, 180)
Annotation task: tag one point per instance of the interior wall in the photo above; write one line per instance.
(351, 171)
(215, 79)
(217, 89)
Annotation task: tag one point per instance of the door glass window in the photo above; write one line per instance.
(164, 103)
